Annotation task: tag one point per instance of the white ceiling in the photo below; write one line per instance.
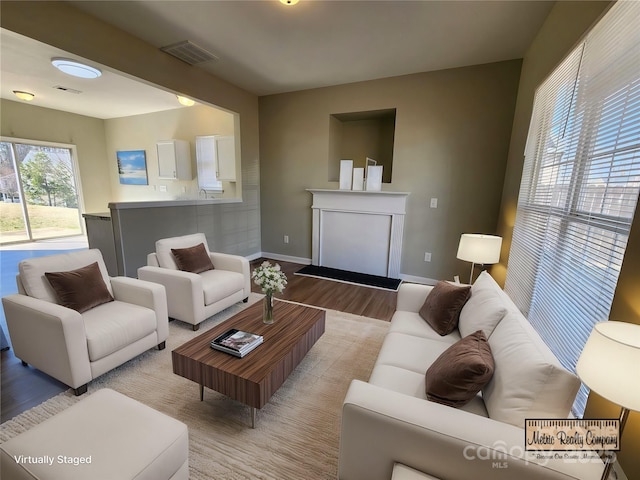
(25, 64)
(266, 47)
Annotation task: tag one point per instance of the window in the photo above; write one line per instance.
(39, 197)
(579, 188)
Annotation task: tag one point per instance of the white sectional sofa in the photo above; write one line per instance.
(389, 422)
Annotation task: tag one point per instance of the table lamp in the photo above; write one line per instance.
(608, 366)
(479, 249)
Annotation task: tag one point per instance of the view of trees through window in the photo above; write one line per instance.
(38, 194)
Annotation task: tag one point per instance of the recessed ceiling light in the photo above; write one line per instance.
(24, 95)
(289, 2)
(77, 69)
(187, 102)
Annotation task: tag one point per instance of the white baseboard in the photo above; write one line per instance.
(415, 279)
(253, 256)
(285, 258)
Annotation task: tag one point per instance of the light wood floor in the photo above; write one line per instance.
(25, 387)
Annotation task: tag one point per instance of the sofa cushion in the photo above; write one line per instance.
(528, 381)
(163, 248)
(402, 472)
(411, 323)
(484, 309)
(194, 259)
(219, 284)
(32, 271)
(442, 307)
(460, 372)
(112, 326)
(413, 384)
(409, 352)
(399, 380)
(80, 289)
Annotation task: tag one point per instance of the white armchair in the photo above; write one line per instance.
(194, 297)
(77, 347)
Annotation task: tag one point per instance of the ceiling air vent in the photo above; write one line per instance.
(67, 89)
(189, 52)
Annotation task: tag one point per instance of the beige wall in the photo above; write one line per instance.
(29, 122)
(142, 132)
(98, 140)
(451, 142)
(565, 26)
(358, 139)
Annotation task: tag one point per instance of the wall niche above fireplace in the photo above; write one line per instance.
(358, 135)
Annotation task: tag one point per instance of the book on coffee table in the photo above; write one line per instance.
(236, 342)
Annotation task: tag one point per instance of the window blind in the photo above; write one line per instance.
(579, 188)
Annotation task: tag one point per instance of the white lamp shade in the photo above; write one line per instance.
(609, 363)
(478, 248)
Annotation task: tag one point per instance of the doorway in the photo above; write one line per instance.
(39, 192)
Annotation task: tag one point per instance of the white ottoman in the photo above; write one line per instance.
(104, 436)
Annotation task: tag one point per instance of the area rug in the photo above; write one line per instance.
(297, 432)
(363, 279)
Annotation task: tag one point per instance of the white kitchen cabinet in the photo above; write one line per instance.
(216, 160)
(226, 150)
(174, 160)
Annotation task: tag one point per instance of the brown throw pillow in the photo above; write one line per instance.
(442, 307)
(462, 370)
(80, 289)
(193, 259)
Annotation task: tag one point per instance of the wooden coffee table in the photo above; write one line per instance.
(254, 378)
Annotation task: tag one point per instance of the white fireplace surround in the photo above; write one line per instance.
(358, 231)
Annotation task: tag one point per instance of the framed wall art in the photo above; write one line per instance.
(132, 167)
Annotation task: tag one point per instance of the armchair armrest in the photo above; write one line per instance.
(184, 291)
(50, 337)
(234, 263)
(411, 296)
(145, 294)
(381, 427)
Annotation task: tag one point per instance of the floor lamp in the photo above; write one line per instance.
(608, 366)
(479, 249)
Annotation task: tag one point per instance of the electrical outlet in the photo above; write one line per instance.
(427, 256)
(286, 239)
(163, 188)
(434, 203)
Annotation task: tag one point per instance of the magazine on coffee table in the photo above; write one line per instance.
(236, 342)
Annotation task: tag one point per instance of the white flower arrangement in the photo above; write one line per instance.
(270, 278)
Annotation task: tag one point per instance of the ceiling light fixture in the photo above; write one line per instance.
(289, 2)
(75, 68)
(187, 102)
(24, 95)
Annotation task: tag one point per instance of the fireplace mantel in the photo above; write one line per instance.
(359, 231)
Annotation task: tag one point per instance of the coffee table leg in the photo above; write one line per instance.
(201, 392)
(253, 417)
